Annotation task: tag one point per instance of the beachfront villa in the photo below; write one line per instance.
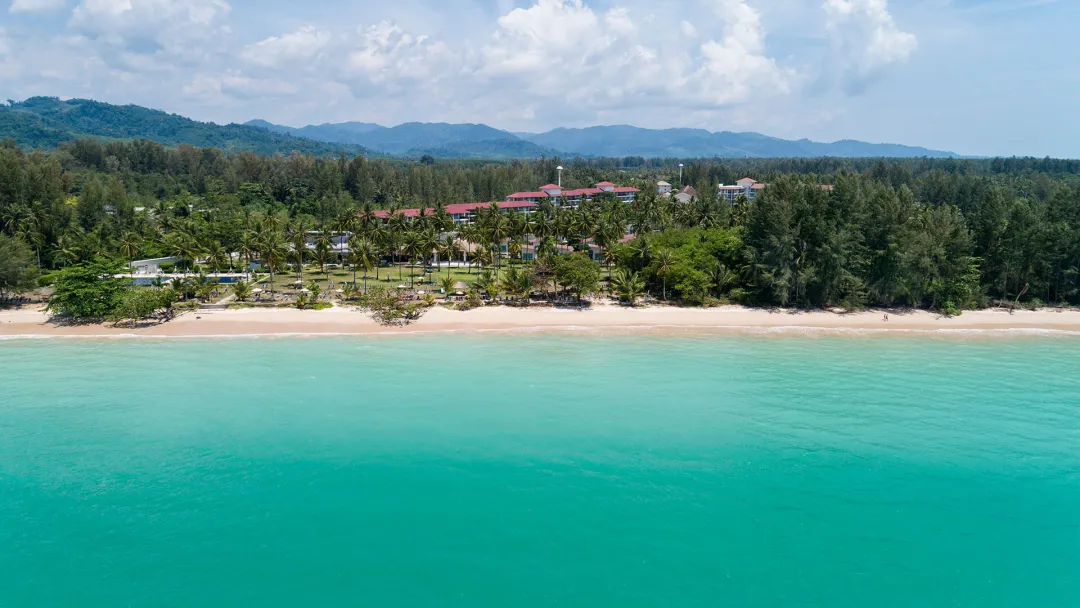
(151, 267)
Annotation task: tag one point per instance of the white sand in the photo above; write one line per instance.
(34, 322)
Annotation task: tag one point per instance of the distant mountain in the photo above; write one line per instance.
(492, 148)
(45, 122)
(416, 138)
(48, 121)
(478, 141)
(345, 132)
(623, 140)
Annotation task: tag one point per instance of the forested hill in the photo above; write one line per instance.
(45, 122)
(472, 140)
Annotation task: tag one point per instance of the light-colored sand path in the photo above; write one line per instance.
(32, 322)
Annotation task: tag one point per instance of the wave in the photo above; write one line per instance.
(581, 329)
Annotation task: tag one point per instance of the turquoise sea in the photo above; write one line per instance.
(541, 470)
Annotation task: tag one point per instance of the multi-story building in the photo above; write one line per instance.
(574, 197)
(744, 187)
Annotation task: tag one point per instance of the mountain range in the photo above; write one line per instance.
(46, 122)
(472, 140)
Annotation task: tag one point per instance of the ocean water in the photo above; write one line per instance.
(541, 470)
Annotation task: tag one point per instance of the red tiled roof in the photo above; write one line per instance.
(746, 179)
(582, 192)
(758, 186)
(458, 208)
(601, 184)
(551, 187)
(527, 195)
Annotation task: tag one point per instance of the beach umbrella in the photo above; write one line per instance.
(256, 290)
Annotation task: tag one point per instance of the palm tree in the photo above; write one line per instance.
(242, 290)
(665, 263)
(129, 248)
(218, 256)
(449, 248)
(362, 253)
(629, 285)
(447, 285)
(204, 286)
(323, 253)
(274, 254)
(298, 239)
(249, 246)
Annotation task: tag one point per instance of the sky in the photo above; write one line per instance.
(976, 77)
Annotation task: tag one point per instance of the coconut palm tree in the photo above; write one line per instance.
(242, 290)
(447, 285)
(665, 263)
(297, 237)
(129, 248)
(628, 285)
(362, 254)
(217, 256)
(274, 254)
(448, 248)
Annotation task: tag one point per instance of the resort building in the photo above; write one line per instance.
(686, 195)
(744, 187)
(574, 197)
(463, 213)
(663, 188)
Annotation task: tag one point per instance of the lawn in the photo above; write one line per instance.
(388, 277)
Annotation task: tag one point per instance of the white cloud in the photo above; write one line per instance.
(36, 6)
(305, 43)
(386, 59)
(736, 69)
(865, 40)
(545, 63)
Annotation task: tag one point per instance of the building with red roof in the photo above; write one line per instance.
(574, 197)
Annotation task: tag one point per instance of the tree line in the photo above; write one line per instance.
(939, 233)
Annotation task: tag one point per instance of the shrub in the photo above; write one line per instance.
(387, 307)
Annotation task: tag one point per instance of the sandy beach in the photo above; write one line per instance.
(29, 322)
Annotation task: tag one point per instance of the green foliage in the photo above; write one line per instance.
(579, 273)
(242, 290)
(88, 290)
(389, 307)
(18, 271)
(46, 122)
(139, 303)
(628, 285)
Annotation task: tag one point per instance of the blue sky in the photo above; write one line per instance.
(993, 77)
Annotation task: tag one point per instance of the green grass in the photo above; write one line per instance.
(388, 277)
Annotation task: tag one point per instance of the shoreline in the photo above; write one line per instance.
(33, 323)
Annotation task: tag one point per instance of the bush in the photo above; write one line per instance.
(140, 303)
(388, 308)
(167, 268)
